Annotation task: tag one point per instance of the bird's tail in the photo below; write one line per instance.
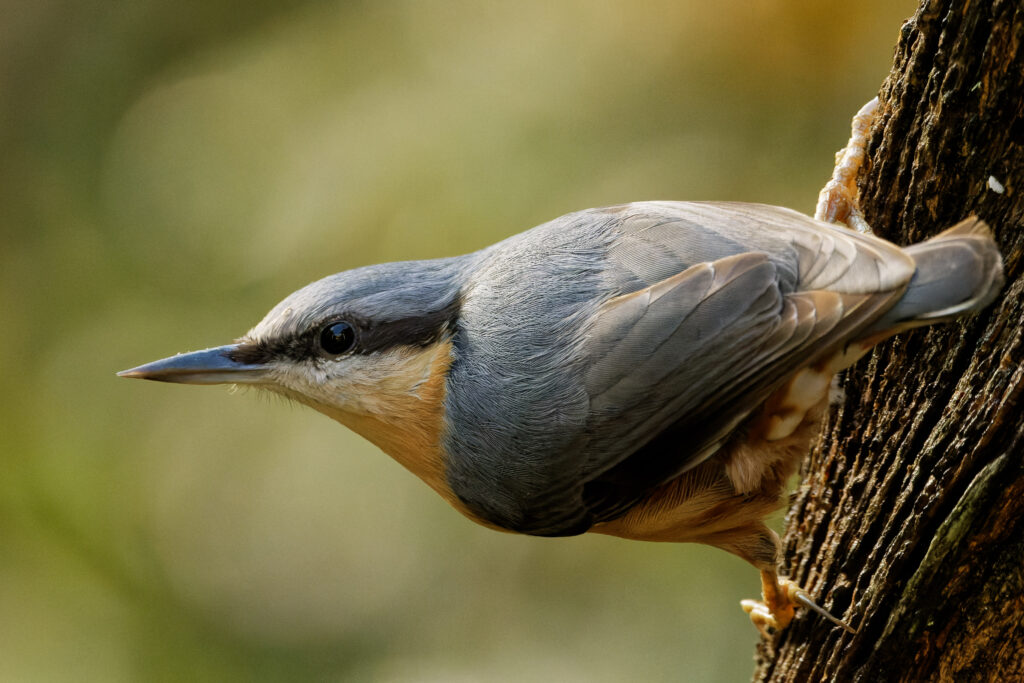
(959, 271)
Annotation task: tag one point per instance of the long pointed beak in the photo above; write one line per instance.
(209, 366)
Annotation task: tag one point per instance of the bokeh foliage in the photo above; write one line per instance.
(170, 170)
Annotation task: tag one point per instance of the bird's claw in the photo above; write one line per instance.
(838, 201)
(762, 617)
(776, 610)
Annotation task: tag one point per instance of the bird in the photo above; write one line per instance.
(652, 370)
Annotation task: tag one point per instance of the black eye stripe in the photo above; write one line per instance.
(370, 336)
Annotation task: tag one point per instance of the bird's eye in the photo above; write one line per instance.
(337, 338)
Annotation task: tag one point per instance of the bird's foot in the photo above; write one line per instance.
(838, 201)
(780, 599)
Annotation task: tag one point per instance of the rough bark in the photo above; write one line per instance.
(909, 522)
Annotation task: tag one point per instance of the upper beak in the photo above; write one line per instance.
(209, 366)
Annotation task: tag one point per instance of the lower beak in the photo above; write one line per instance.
(210, 366)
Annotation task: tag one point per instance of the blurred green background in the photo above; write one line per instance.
(169, 170)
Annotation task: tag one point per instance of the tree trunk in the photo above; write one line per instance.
(909, 522)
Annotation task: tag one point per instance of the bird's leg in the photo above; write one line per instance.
(761, 547)
(838, 201)
(780, 598)
(777, 608)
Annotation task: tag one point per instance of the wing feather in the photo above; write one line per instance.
(676, 366)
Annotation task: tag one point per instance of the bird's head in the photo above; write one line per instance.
(369, 347)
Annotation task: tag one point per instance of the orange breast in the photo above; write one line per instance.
(406, 419)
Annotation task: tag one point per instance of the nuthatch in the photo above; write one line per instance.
(653, 371)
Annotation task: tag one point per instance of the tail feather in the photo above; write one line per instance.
(959, 271)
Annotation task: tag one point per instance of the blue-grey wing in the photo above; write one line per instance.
(736, 298)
